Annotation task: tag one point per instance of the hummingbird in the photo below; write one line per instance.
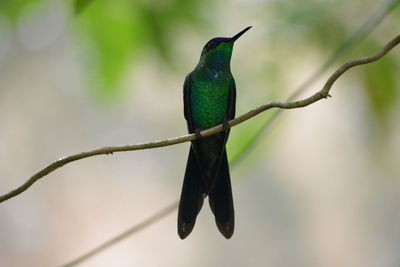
(209, 98)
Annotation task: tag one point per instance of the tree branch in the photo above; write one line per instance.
(323, 93)
(372, 22)
(154, 218)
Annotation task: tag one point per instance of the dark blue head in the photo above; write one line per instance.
(215, 42)
(220, 49)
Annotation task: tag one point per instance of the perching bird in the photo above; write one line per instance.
(209, 96)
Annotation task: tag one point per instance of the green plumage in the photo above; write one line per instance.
(210, 106)
(209, 100)
(210, 88)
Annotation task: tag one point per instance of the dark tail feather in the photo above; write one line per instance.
(191, 198)
(221, 201)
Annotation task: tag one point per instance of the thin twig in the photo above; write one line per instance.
(154, 218)
(374, 20)
(172, 207)
(359, 34)
(324, 93)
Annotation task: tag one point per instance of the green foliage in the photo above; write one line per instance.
(381, 86)
(115, 32)
(245, 136)
(12, 8)
(112, 34)
(80, 5)
(311, 21)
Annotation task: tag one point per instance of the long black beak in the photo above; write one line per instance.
(234, 38)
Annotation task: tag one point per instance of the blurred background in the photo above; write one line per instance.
(320, 186)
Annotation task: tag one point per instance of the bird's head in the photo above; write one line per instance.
(218, 50)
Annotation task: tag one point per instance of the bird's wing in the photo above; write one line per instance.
(232, 101)
(186, 102)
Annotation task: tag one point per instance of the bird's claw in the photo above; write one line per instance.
(225, 125)
(197, 132)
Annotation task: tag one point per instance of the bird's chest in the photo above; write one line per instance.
(210, 101)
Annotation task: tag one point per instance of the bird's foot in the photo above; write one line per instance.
(225, 125)
(197, 132)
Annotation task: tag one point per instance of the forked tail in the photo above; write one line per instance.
(221, 201)
(192, 196)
